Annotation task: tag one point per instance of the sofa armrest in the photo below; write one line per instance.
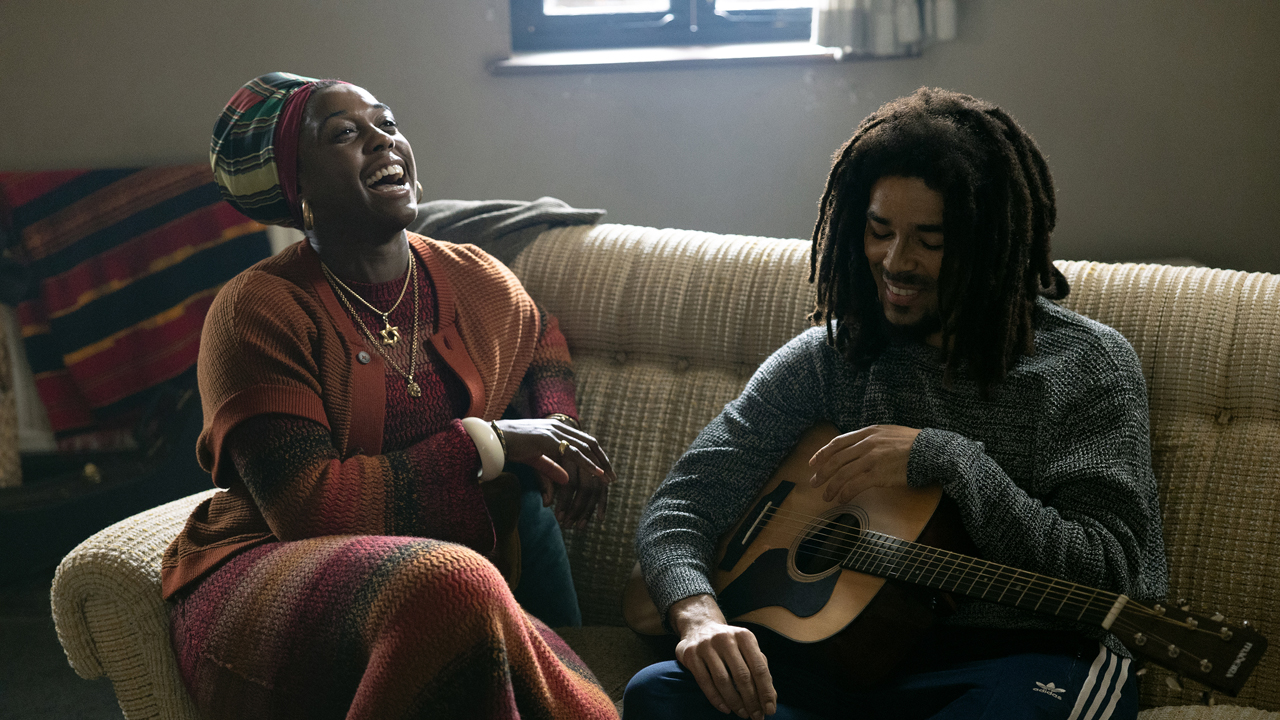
(110, 617)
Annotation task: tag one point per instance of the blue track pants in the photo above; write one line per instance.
(945, 681)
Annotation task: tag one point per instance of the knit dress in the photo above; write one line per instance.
(373, 597)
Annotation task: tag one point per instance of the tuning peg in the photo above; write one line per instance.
(1246, 624)
(1172, 682)
(1157, 609)
(1141, 671)
(1184, 604)
(1218, 617)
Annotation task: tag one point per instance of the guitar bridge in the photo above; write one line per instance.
(746, 539)
(746, 533)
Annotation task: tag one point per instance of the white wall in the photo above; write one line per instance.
(1160, 117)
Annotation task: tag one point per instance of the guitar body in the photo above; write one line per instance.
(778, 572)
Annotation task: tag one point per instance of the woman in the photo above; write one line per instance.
(352, 389)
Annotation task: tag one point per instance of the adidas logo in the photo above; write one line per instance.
(1050, 690)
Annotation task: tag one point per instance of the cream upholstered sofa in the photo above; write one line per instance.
(666, 326)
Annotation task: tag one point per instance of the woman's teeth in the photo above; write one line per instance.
(393, 170)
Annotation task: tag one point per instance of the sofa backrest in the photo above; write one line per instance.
(1209, 343)
(666, 326)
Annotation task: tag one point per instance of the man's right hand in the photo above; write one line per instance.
(724, 659)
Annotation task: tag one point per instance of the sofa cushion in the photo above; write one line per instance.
(1201, 712)
(614, 654)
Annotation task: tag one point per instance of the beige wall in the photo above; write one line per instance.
(1160, 117)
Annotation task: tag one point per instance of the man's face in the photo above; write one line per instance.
(903, 243)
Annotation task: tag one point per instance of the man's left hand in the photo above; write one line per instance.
(875, 456)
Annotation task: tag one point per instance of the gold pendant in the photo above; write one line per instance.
(414, 390)
(390, 335)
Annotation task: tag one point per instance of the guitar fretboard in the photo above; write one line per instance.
(890, 557)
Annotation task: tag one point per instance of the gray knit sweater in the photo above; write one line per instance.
(1052, 473)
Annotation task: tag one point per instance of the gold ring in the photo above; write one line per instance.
(564, 445)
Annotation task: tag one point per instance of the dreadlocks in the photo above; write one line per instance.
(998, 214)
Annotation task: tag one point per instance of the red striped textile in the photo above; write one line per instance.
(21, 188)
(126, 263)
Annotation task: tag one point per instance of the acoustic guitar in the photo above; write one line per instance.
(847, 588)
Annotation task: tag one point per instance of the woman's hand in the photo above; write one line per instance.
(577, 480)
(724, 659)
(875, 456)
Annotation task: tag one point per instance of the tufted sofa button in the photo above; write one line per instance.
(682, 364)
(1224, 417)
(620, 357)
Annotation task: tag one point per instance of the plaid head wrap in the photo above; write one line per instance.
(254, 152)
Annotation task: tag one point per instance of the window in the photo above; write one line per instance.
(578, 24)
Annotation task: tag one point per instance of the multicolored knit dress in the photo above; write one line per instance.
(344, 574)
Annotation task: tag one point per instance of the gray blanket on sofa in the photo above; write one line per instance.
(501, 228)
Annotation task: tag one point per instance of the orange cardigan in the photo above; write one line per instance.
(276, 340)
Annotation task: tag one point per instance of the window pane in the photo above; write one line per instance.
(595, 7)
(730, 5)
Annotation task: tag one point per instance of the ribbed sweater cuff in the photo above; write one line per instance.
(940, 456)
(675, 584)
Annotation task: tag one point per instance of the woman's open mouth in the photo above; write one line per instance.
(389, 180)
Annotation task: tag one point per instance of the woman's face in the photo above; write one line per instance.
(355, 169)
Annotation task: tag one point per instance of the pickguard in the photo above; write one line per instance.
(766, 582)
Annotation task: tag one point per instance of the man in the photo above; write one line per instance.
(940, 358)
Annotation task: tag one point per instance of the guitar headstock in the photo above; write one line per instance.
(1206, 649)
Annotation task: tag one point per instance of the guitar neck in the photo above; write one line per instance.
(890, 557)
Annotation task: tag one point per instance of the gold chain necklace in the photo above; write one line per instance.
(390, 333)
(415, 390)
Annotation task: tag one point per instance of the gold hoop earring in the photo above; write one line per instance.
(308, 220)
(418, 186)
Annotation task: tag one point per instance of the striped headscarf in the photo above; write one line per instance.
(254, 152)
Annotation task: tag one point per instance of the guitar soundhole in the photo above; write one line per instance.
(827, 544)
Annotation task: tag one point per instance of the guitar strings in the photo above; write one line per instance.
(880, 544)
(869, 548)
(886, 544)
(973, 569)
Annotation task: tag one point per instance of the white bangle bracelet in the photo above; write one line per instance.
(491, 456)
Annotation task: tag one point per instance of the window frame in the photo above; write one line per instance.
(534, 31)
